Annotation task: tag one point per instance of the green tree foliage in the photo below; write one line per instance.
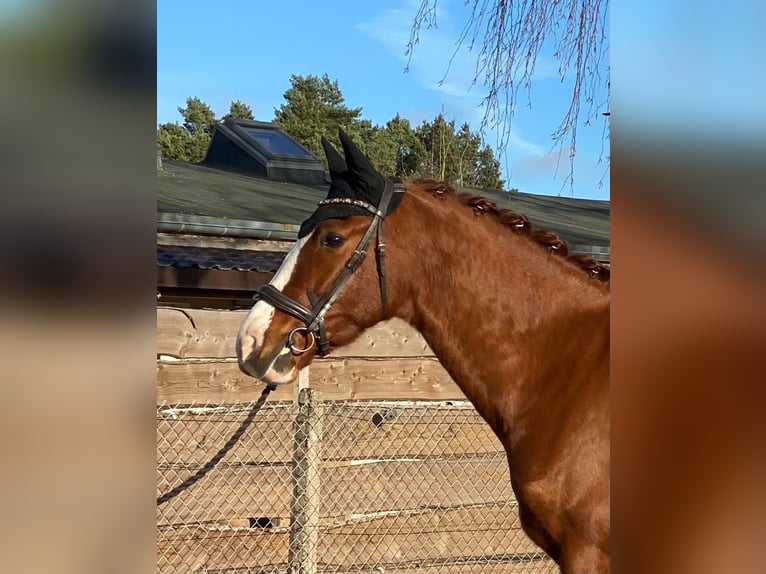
(189, 141)
(198, 117)
(315, 107)
(393, 149)
(406, 150)
(488, 170)
(239, 110)
(363, 133)
(174, 141)
(465, 169)
(456, 156)
(438, 141)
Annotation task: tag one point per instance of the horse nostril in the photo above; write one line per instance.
(255, 361)
(245, 347)
(245, 367)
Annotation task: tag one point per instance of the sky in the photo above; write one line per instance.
(246, 50)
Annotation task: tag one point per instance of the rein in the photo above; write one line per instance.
(210, 465)
(314, 318)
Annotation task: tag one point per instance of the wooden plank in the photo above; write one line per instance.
(200, 549)
(524, 565)
(186, 438)
(394, 485)
(436, 536)
(223, 242)
(338, 380)
(393, 338)
(226, 494)
(456, 540)
(212, 382)
(353, 431)
(230, 493)
(201, 333)
(371, 379)
(186, 333)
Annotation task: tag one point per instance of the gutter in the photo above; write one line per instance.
(225, 227)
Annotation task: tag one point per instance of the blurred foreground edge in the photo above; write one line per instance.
(688, 342)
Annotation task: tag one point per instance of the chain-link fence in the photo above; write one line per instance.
(338, 487)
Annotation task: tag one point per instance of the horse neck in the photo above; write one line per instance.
(497, 310)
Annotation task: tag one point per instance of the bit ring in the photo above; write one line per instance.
(309, 335)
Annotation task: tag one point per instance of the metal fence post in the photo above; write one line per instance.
(304, 506)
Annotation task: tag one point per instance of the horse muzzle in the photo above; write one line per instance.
(277, 367)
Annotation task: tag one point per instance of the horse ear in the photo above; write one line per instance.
(335, 161)
(358, 164)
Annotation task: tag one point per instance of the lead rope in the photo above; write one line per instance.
(209, 465)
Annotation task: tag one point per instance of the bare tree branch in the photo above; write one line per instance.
(511, 35)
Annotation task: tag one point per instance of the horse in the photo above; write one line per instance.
(521, 327)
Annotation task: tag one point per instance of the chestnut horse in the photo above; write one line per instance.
(521, 327)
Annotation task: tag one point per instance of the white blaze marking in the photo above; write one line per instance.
(258, 320)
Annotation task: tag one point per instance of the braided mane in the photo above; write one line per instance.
(518, 223)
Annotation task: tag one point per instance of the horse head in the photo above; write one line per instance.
(332, 285)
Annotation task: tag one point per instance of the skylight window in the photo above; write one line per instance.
(276, 142)
(264, 150)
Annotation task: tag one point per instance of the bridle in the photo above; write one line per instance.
(314, 318)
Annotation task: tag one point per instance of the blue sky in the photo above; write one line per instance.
(223, 51)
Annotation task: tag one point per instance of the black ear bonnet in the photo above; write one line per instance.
(353, 178)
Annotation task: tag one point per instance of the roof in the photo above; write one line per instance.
(216, 258)
(194, 190)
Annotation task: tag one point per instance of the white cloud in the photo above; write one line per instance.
(542, 164)
(436, 61)
(430, 65)
(430, 60)
(391, 28)
(516, 143)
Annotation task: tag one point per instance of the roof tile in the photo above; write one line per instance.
(185, 257)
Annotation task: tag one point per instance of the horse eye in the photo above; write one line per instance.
(333, 240)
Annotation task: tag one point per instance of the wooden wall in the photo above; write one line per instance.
(425, 491)
(197, 363)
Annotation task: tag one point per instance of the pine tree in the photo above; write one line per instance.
(465, 169)
(239, 110)
(187, 142)
(198, 117)
(438, 141)
(488, 168)
(315, 107)
(174, 141)
(404, 149)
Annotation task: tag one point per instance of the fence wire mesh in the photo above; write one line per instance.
(385, 487)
